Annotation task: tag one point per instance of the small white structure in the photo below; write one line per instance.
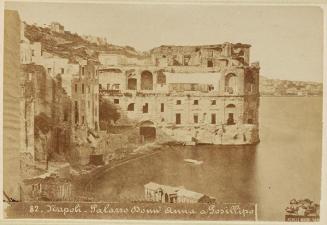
(193, 161)
(57, 27)
(169, 194)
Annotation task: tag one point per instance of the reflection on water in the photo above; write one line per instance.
(285, 165)
(226, 174)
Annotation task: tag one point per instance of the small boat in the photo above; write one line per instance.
(193, 161)
(189, 143)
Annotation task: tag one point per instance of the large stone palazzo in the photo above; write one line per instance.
(201, 94)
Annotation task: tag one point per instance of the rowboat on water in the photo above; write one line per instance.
(193, 161)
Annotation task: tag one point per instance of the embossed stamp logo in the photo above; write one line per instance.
(302, 211)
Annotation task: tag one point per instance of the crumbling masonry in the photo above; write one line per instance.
(192, 94)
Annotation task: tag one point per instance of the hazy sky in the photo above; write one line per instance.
(286, 40)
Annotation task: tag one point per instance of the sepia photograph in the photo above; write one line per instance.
(165, 111)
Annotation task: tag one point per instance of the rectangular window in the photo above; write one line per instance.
(62, 70)
(83, 89)
(116, 86)
(116, 101)
(76, 86)
(83, 120)
(210, 63)
(195, 118)
(145, 108)
(213, 102)
(196, 102)
(162, 107)
(76, 112)
(213, 118)
(49, 70)
(178, 102)
(100, 86)
(83, 70)
(187, 60)
(108, 86)
(178, 118)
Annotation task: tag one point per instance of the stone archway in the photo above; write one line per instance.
(146, 80)
(130, 107)
(230, 113)
(148, 131)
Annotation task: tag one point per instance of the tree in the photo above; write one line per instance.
(108, 111)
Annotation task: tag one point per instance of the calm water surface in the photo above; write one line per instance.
(285, 165)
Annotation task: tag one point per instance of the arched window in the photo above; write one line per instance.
(230, 111)
(161, 78)
(230, 83)
(130, 107)
(146, 80)
(131, 84)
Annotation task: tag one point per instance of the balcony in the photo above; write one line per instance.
(110, 92)
(229, 90)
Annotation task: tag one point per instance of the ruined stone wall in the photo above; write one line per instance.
(111, 80)
(45, 96)
(219, 56)
(251, 95)
(85, 98)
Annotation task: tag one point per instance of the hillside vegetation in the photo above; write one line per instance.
(72, 45)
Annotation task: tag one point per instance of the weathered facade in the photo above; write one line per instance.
(85, 97)
(45, 103)
(203, 94)
(57, 66)
(205, 56)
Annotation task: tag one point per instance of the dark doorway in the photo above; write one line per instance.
(76, 112)
(149, 133)
(213, 118)
(230, 120)
(178, 118)
(210, 63)
(130, 107)
(162, 107)
(145, 108)
(166, 198)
